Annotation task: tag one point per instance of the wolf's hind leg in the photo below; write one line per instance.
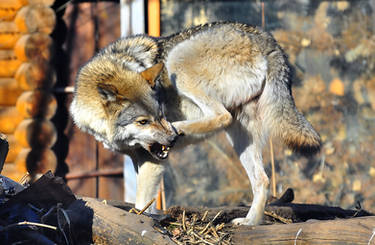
(250, 154)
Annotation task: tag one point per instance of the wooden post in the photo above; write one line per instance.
(153, 19)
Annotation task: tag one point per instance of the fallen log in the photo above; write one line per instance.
(125, 227)
(343, 231)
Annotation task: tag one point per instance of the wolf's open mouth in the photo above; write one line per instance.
(161, 151)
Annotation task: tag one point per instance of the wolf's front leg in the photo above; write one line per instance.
(148, 183)
(149, 173)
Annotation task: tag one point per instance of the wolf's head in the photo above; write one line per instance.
(119, 107)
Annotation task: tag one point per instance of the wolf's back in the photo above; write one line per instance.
(278, 111)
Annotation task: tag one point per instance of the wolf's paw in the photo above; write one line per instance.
(177, 130)
(243, 221)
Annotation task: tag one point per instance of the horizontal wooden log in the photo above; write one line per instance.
(33, 75)
(37, 103)
(8, 67)
(36, 161)
(13, 4)
(343, 231)
(8, 40)
(9, 91)
(36, 133)
(11, 172)
(35, 18)
(16, 4)
(14, 149)
(7, 14)
(35, 46)
(9, 119)
(8, 27)
(7, 54)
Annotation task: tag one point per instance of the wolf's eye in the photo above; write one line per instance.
(143, 121)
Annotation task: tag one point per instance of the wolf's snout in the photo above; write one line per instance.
(172, 140)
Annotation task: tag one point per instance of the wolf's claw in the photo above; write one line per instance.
(242, 221)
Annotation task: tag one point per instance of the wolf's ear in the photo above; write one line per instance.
(152, 73)
(107, 92)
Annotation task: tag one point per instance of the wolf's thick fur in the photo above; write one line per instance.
(221, 76)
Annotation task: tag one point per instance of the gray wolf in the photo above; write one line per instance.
(143, 95)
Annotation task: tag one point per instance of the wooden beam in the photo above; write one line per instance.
(153, 19)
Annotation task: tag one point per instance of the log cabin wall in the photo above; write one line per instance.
(26, 77)
(42, 45)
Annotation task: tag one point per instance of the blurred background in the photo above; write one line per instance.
(331, 47)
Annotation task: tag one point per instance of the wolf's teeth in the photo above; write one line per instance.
(163, 147)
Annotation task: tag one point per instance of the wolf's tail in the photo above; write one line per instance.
(278, 111)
